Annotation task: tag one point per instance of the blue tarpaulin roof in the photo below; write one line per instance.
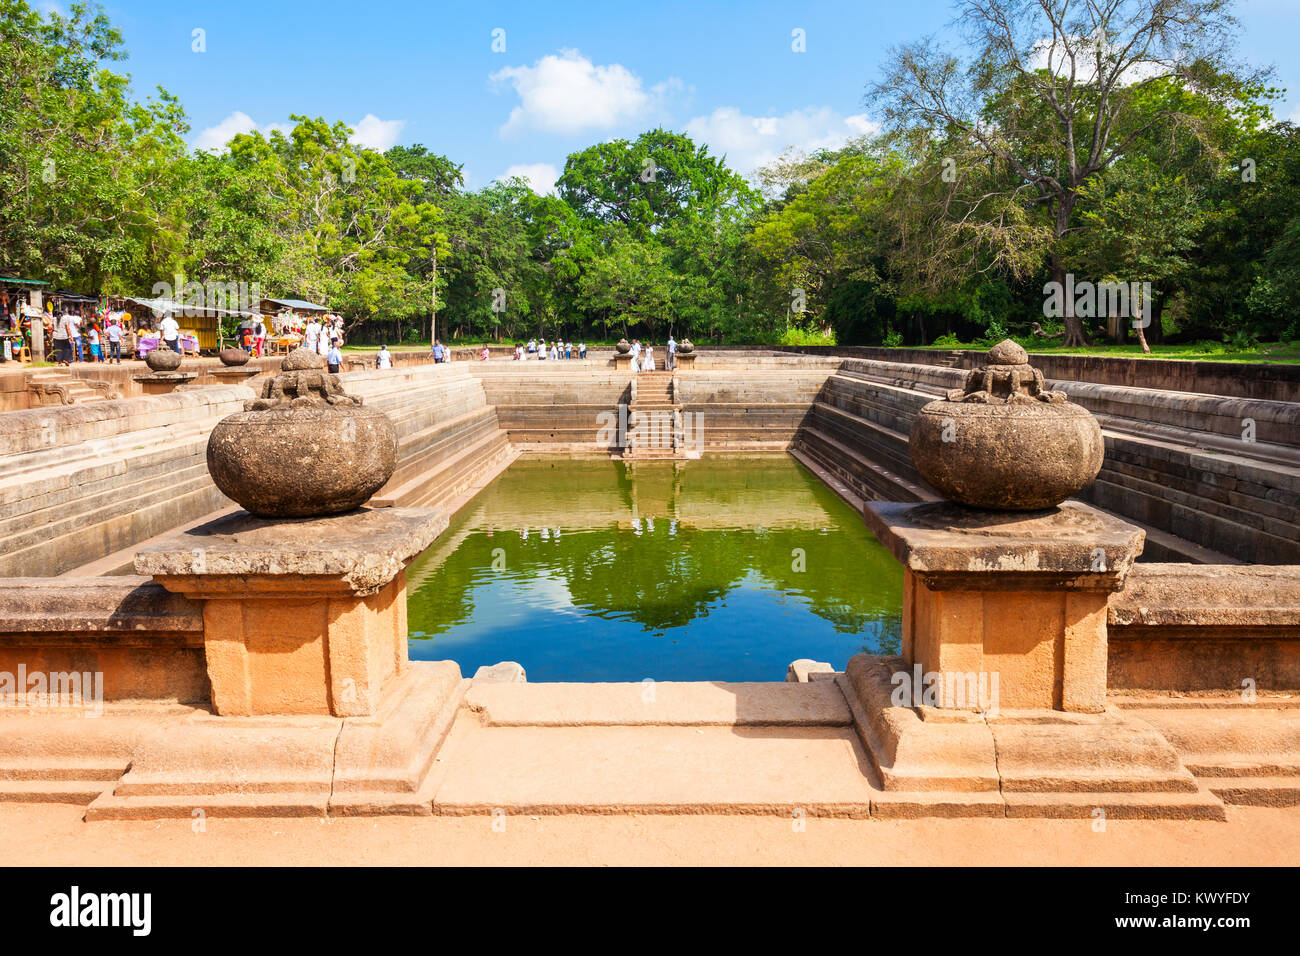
(297, 304)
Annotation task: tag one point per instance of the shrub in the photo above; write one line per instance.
(797, 336)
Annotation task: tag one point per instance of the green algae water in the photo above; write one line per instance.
(596, 570)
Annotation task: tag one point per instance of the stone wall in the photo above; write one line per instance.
(82, 482)
(1258, 380)
(1205, 628)
(147, 642)
(1175, 463)
(78, 482)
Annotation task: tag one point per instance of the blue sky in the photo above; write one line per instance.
(570, 74)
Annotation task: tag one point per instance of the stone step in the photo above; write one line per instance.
(660, 703)
(1256, 791)
(79, 792)
(660, 769)
(432, 483)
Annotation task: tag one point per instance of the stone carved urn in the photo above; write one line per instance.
(1004, 441)
(163, 359)
(304, 449)
(623, 347)
(685, 347)
(231, 357)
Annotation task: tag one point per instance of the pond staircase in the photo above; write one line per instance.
(654, 429)
(57, 387)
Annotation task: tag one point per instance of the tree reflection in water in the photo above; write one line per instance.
(716, 569)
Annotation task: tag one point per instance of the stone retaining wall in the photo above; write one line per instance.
(147, 642)
(1257, 380)
(81, 482)
(1175, 463)
(1205, 628)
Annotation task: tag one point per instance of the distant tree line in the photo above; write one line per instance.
(1127, 150)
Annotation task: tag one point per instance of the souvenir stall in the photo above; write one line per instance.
(20, 303)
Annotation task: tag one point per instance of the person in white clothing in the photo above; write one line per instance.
(311, 335)
(555, 351)
(384, 358)
(169, 332)
(648, 360)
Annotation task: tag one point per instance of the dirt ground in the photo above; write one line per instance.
(51, 834)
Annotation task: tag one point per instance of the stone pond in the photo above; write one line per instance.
(719, 569)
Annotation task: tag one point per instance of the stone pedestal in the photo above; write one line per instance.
(315, 707)
(997, 705)
(160, 383)
(304, 616)
(685, 362)
(623, 361)
(1018, 594)
(234, 375)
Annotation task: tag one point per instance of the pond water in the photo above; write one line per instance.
(713, 569)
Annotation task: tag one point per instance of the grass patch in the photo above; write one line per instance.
(1280, 353)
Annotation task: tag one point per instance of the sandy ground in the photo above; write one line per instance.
(49, 834)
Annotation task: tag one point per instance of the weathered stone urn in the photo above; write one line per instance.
(232, 356)
(623, 347)
(163, 359)
(685, 347)
(1004, 441)
(304, 449)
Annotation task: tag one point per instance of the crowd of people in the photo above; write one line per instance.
(82, 335)
(643, 356)
(540, 351)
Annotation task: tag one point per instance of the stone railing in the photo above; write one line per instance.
(145, 641)
(1181, 627)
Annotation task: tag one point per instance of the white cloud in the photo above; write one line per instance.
(214, 138)
(568, 93)
(749, 142)
(371, 132)
(376, 134)
(540, 177)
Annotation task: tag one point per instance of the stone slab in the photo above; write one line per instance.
(363, 549)
(820, 771)
(665, 703)
(948, 546)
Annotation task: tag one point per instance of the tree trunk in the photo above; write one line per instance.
(1073, 324)
(1155, 330)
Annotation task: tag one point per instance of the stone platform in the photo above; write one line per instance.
(447, 746)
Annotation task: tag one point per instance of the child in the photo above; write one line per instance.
(334, 358)
(93, 335)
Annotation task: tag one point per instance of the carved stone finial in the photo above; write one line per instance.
(302, 383)
(1004, 441)
(304, 448)
(1007, 377)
